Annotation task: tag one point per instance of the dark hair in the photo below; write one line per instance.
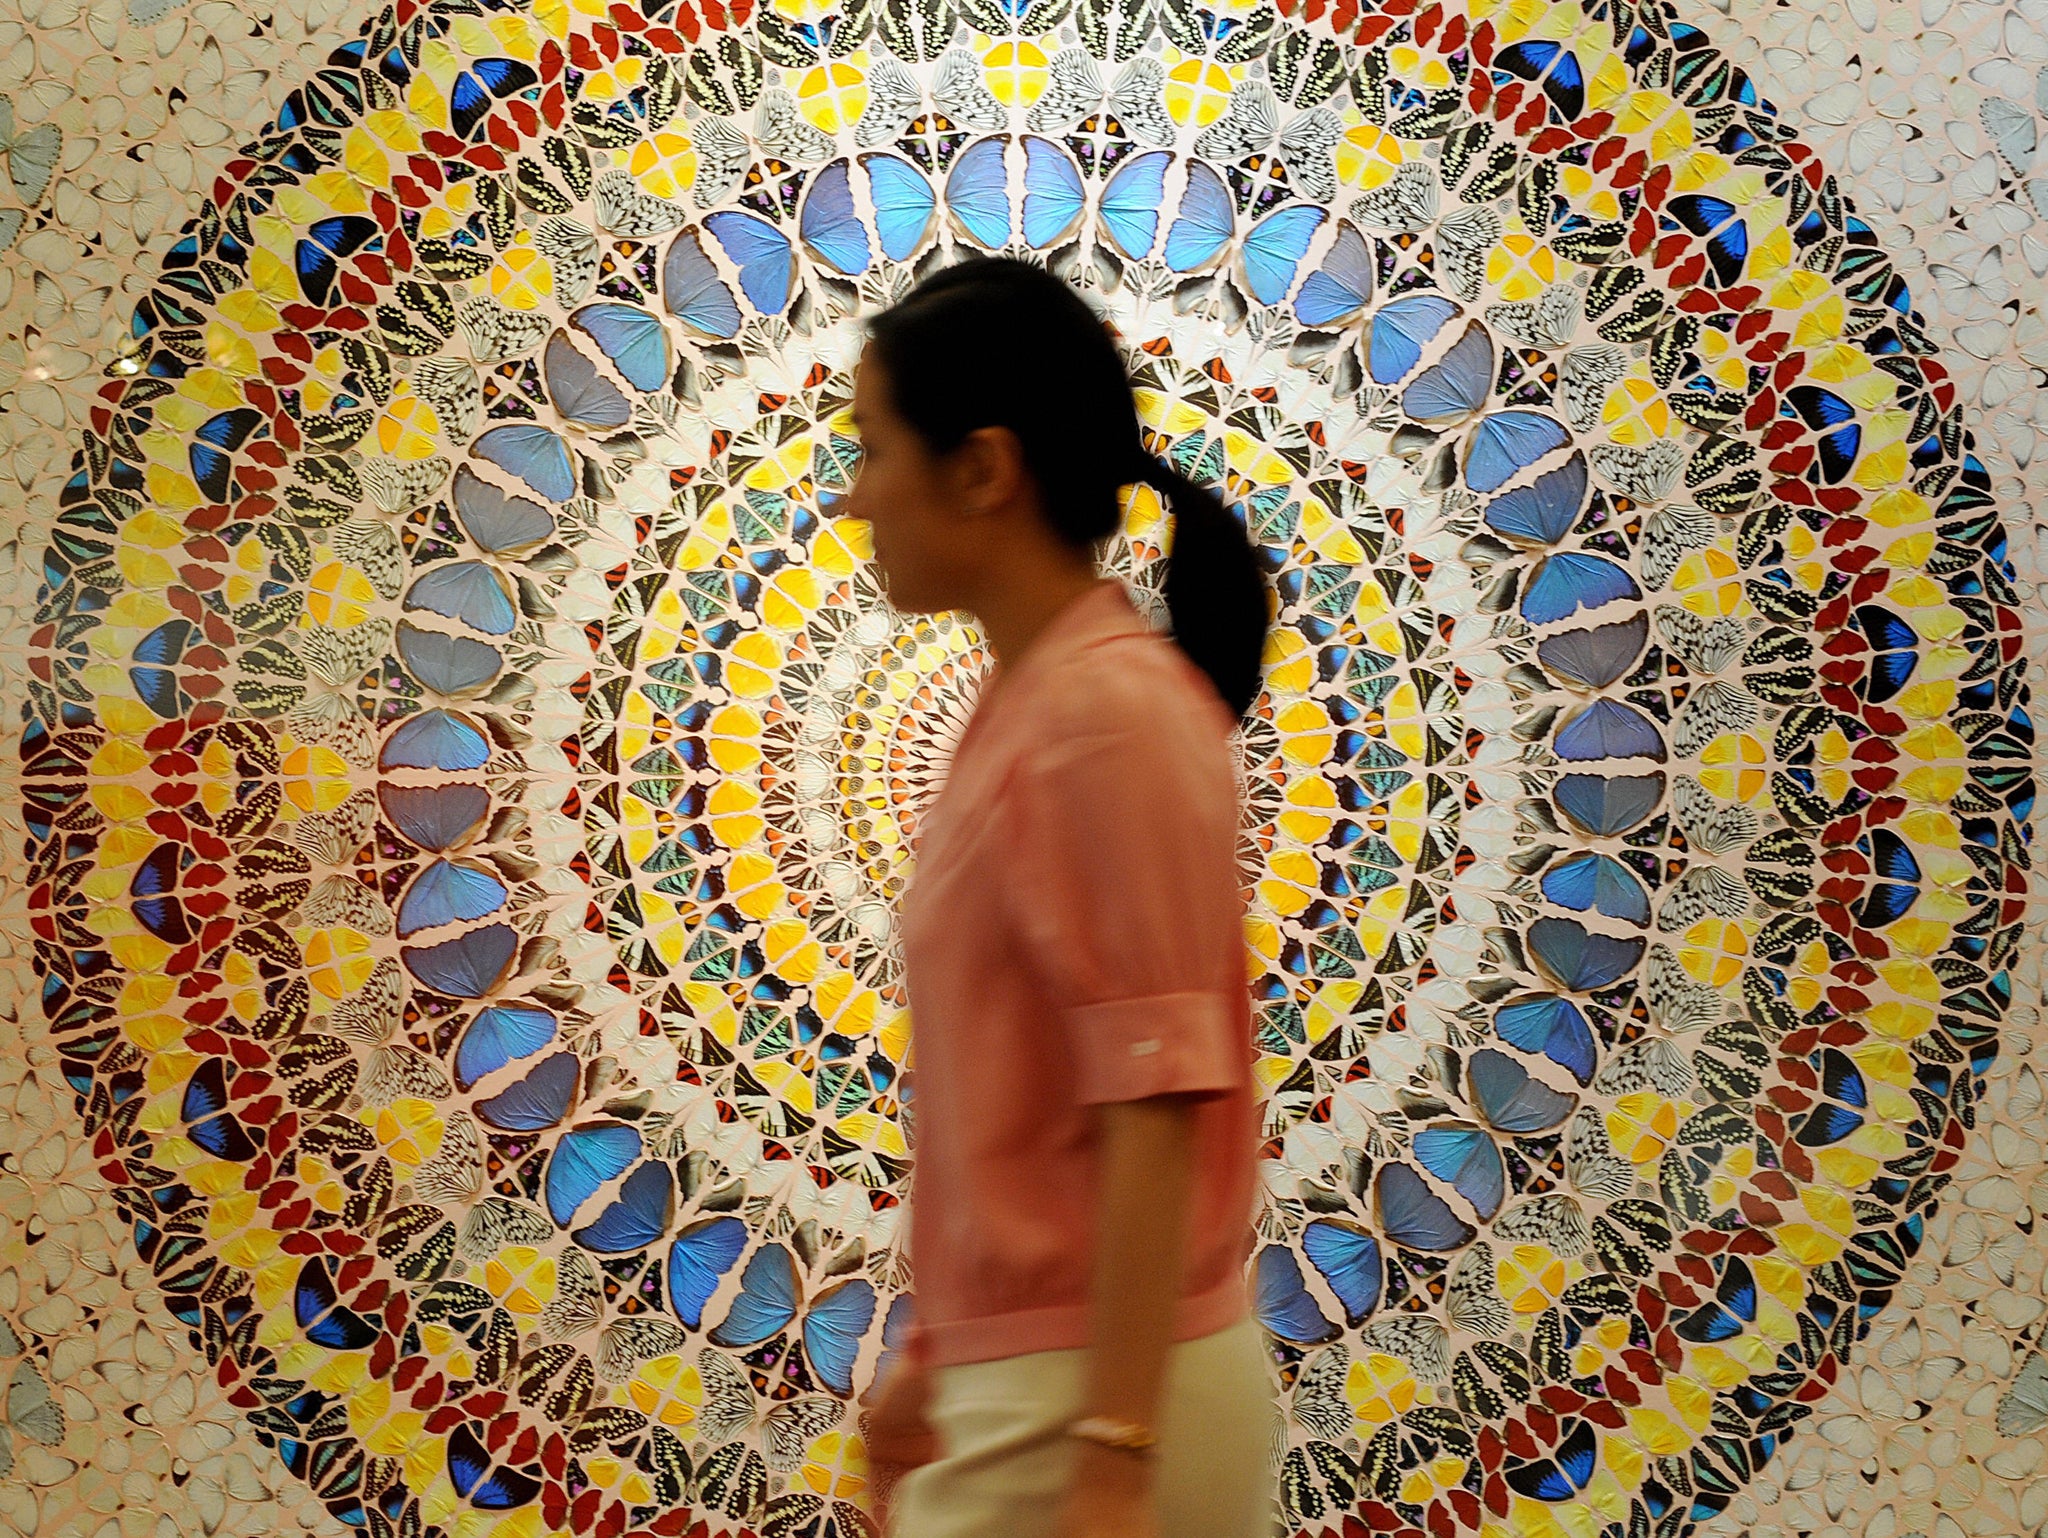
(993, 342)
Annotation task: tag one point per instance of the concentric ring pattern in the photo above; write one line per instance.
(470, 770)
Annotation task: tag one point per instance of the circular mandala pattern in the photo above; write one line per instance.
(471, 771)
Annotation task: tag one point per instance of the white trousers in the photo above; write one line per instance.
(1006, 1458)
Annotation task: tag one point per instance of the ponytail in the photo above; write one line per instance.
(1215, 590)
(994, 342)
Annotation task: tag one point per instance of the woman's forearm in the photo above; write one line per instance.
(1140, 1234)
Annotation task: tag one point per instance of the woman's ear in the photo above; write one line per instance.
(989, 469)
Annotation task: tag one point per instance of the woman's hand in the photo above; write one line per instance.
(899, 1437)
(1111, 1497)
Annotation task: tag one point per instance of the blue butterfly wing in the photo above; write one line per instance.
(1342, 286)
(1466, 1158)
(1543, 512)
(1579, 959)
(1458, 385)
(1609, 729)
(697, 1263)
(1274, 247)
(694, 293)
(904, 204)
(466, 967)
(536, 455)
(318, 1312)
(538, 1101)
(449, 893)
(978, 193)
(1597, 656)
(896, 1323)
(504, 77)
(629, 336)
(206, 1092)
(1282, 1300)
(1841, 1078)
(447, 664)
(1204, 223)
(469, 102)
(637, 1218)
(766, 1303)
(580, 393)
(435, 739)
(586, 1158)
(435, 816)
(1608, 804)
(158, 654)
(500, 1036)
(1618, 894)
(1400, 330)
(1349, 1260)
(1572, 580)
(1579, 1456)
(829, 223)
(1053, 194)
(1506, 443)
(833, 1327)
(468, 591)
(1413, 1215)
(1552, 1027)
(1130, 203)
(763, 254)
(496, 521)
(478, 1481)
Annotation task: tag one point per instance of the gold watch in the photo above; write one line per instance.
(1107, 1431)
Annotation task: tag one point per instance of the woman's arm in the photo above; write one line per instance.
(1141, 1223)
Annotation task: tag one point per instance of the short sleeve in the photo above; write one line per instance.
(1124, 878)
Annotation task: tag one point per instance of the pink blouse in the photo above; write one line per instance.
(1074, 935)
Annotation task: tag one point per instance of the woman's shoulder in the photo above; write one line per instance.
(1138, 685)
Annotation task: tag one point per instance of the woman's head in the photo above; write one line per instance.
(994, 410)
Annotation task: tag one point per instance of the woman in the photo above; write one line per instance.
(1084, 1363)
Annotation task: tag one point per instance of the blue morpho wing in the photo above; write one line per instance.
(1274, 247)
(1401, 328)
(1552, 1027)
(1053, 194)
(1609, 729)
(1342, 286)
(767, 1300)
(435, 816)
(694, 293)
(580, 393)
(697, 1263)
(833, 1326)
(587, 1158)
(498, 522)
(449, 893)
(435, 739)
(978, 192)
(466, 967)
(318, 1312)
(763, 254)
(1206, 221)
(829, 223)
(1605, 805)
(1349, 1259)
(1577, 959)
(1542, 512)
(499, 1036)
(1506, 443)
(631, 337)
(536, 455)
(469, 591)
(1733, 1308)
(1130, 203)
(1511, 1100)
(447, 664)
(539, 1100)
(904, 203)
(1597, 656)
(637, 1217)
(1573, 580)
(1284, 1305)
(1413, 1215)
(1465, 1157)
(1457, 385)
(1597, 883)
(902, 1311)
(482, 1483)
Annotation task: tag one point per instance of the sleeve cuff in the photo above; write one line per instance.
(1162, 1044)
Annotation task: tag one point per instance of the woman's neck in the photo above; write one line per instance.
(1014, 614)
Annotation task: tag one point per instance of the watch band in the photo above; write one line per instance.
(1107, 1431)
